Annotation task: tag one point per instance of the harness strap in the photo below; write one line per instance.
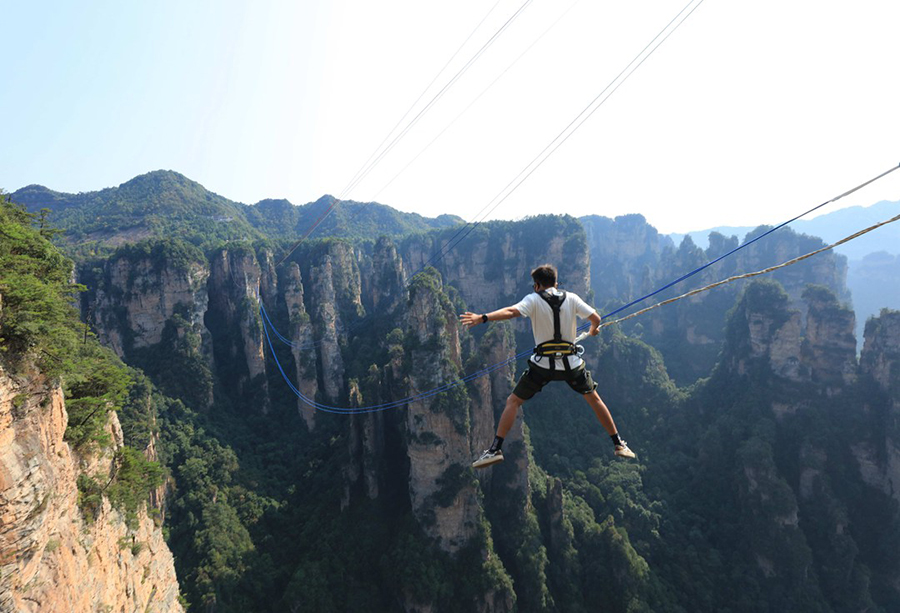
(557, 347)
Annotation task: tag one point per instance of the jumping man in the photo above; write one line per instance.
(553, 316)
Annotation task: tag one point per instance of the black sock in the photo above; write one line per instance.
(497, 444)
(616, 439)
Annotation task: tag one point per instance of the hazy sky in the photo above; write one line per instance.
(749, 113)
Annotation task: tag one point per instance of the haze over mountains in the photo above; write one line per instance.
(830, 227)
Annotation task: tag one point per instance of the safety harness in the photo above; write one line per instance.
(557, 348)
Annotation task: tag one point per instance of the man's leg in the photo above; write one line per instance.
(494, 454)
(508, 418)
(605, 417)
(601, 412)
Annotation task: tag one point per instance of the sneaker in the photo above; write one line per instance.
(623, 451)
(487, 458)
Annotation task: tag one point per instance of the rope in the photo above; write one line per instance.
(752, 274)
(750, 242)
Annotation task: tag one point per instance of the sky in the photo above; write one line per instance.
(749, 113)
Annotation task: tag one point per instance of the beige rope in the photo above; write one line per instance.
(753, 274)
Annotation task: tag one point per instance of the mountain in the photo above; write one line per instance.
(831, 227)
(166, 204)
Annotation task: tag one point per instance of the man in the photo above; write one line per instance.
(553, 316)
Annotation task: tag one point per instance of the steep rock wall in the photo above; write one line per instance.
(444, 499)
(138, 296)
(52, 560)
(492, 266)
(879, 460)
(234, 321)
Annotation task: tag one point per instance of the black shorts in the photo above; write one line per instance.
(535, 378)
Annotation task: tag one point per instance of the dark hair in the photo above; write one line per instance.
(544, 275)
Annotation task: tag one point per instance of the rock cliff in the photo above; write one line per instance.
(879, 457)
(443, 494)
(233, 319)
(52, 558)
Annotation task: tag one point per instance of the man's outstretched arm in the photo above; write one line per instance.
(594, 318)
(473, 319)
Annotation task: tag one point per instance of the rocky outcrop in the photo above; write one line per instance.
(328, 325)
(625, 255)
(141, 292)
(764, 333)
(494, 266)
(51, 559)
(830, 346)
(234, 320)
(879, 460)
(442, 492)
(384, 287)
(303, 345)
(634, 260)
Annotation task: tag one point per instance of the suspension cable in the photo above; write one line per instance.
(570, 129)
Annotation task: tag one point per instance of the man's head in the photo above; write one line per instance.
(544, 276)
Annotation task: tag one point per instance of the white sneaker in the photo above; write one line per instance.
(623, 451)
(487, 458)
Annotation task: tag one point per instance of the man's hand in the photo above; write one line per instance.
(469, 319)
(594, 331)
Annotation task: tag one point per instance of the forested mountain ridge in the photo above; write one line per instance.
(166, 204)
(766, 484)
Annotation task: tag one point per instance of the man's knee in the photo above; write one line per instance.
(515, 400)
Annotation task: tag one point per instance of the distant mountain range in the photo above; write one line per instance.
(164, 203)
(830, 227)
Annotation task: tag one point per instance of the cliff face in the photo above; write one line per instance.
(443, 497)
(234, 282)
(764, 331)
(52, 560)
(492, 267)
(879, 459)
(303, 342)
(139, 296)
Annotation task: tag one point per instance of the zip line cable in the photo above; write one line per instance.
(424, 91)
(369, 165)
(567, 132)
(424, 395)
(629, 69)
(447, 127)
(476, 99)
(752, 274)
(438, 96)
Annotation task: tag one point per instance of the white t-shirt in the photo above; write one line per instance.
(541, 315)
